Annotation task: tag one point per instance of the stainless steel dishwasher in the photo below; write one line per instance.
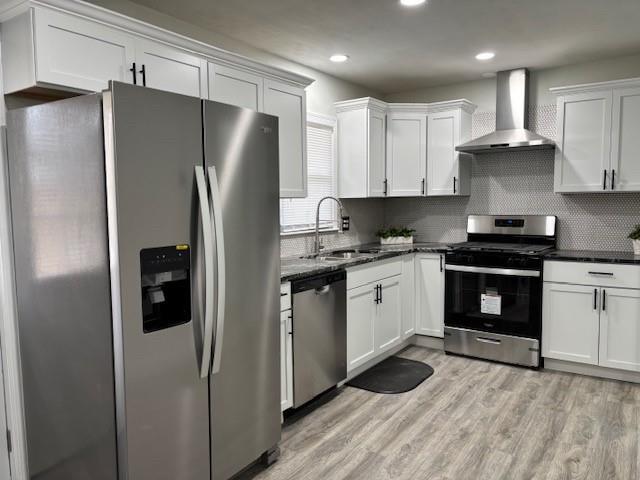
(319, 334)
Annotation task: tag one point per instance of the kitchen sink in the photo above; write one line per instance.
(342, 255)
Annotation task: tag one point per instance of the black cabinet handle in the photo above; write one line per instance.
(143, 71)
(454, 185)
(595, 298)
(604, 181)
(613, 179)
(134, 71)
(604, 299)
(423, 186)
(385, 186)
(380, 287)
(441, 263)
(376, 300)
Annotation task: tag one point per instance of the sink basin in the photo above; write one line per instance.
(341, 255)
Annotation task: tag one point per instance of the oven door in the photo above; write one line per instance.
(498, 300)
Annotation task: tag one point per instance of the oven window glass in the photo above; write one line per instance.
(493, 303)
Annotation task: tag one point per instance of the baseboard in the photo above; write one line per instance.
(428, 342)
(591, 370)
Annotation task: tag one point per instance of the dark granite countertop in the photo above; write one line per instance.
(295, 268)
(593, 256)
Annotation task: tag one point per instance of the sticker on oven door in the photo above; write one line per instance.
(491, 304)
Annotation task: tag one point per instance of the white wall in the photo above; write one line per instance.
(482, 92)
(320, 95)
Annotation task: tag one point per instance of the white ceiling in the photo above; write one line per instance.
(393, 48)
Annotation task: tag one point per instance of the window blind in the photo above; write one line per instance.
(299, 214)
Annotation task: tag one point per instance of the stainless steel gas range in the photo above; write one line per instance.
(493, 288)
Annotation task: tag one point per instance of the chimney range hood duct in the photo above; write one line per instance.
(512, 118)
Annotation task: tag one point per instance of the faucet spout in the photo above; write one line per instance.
(316, 245)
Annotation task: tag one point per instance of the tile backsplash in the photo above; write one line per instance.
(522, 183)
(501, 183)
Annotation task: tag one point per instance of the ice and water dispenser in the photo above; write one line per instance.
(166, 287)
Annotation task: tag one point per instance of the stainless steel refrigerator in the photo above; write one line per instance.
(146, 244)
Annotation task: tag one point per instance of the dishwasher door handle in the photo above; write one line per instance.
(323, 290)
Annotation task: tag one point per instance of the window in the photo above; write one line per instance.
(298, 215)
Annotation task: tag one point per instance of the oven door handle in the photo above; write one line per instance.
(493, 271)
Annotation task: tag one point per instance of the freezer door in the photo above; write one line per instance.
(242, 146)
(153, 144)
(56, 175)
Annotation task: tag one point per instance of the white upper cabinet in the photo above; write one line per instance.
(171, 69)
(289, 104)
(390, 150)
(236, 87)
(362, 125)
(45, 48)
(597, 142)
(583, 148)
(448, 171)
(625, 140)
(429, 296)
(406, 153)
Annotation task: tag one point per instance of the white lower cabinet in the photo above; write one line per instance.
(408, 292)
(620, 329)
(286, 361)
(570, 323)
(429, 294)
(374, 310)
(597, 323)
(360, 325)
(388, 315)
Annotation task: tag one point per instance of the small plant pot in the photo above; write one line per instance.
(396, 240)
(636, 247)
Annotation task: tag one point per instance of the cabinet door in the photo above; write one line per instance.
(443, 134)
(570, 322)
(361, 310)
(377, 154)
(235, 87)
(352, 153)
(171, 69)
(406, 154)
(430, 294)
(625, 141)
(408, 296)
(80, 54)
(583, 150)
(620, 329)
(286, 361)
(289, 105)
(388, 324)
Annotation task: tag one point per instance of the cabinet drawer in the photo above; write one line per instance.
(285, 296)
(372, 272)
(601, 274)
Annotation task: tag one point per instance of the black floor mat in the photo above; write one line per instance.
(393, 375)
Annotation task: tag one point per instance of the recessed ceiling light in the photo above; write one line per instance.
(485, 56)
(411, 3)
(339, 58)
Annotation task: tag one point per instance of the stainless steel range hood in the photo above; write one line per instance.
(512, 118)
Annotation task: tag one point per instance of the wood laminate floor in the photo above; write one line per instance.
(471, 420)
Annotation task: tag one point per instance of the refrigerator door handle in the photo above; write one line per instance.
(221, 275)
(208, 270)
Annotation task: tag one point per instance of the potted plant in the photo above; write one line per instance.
(635, 238)
(395, 236)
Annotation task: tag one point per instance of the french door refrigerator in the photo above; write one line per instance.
(146, 248)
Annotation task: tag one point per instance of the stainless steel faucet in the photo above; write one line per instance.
(316, 246)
